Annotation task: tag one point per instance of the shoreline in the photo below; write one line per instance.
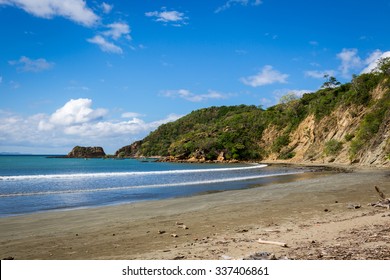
(223, 225)
(243, 184)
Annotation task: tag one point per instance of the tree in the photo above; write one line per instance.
(384, 65)
(331, 82)
(287, 98)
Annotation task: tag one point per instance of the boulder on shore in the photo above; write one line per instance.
(87, 152)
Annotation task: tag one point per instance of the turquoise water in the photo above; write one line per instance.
(31, 184)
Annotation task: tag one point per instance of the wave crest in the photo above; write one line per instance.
(123, 174)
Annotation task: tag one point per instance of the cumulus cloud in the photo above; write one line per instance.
(117, 30)
(77, 111)
(373, 59)
(349, 61)
(114, 129)
(25, 64)
(105, 45)
(75, 10)
(189, 96)
(174, 17)
(266, 76)
(75, 123)
(231, 3)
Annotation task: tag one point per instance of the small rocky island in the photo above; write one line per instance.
(86, 152)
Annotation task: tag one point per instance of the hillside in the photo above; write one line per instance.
(348, 123)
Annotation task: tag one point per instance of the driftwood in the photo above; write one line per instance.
(385, 202)
(272, 243)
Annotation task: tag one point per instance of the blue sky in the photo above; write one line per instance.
(106, 73)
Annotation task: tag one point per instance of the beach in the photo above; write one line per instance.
(325, 216)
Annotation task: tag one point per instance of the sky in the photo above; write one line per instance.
(107, 73)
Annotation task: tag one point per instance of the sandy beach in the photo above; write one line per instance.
(323, 216)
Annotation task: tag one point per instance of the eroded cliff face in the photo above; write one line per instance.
(309, 142)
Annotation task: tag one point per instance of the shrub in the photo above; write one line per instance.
(287, 155)
(333, 147)
(349, 137)
(279, 143)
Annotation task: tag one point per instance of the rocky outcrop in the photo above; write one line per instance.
(130, 151)
(86, 152)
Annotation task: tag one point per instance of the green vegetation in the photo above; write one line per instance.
(332, 147)
(236, 131)
(370, 125)
(349, 137)
(233, 130)
(279, 143)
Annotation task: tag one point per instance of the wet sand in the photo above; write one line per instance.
(313, 216)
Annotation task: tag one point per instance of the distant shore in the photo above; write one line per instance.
(322, 217)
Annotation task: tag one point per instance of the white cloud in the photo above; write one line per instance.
(319, 74)
(231, 3)
(1, 79)
(174, 17)
(189, 96)
(107, 8)
(266, 76)
(105, 45)
(113, 129)
(76, 111)
(75, 123)
(25, 64)
(75, 10)
(117, 30)
(373, 59)
(129, 115)
(349, 61)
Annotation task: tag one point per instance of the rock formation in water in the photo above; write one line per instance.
(86, 152)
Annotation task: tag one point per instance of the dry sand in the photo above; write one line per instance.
(310, 215)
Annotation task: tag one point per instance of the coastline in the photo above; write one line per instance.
(311, 216)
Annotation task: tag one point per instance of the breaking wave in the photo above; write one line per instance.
(215, 181)
(124, 174)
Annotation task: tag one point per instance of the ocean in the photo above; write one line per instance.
(30, 184)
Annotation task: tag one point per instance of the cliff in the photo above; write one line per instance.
(345, 124)
(86, 152)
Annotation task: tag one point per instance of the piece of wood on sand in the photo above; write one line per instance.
(385, 202)
(282, 244)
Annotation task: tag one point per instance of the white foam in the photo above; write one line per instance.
(123, 174)
(216, 181)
